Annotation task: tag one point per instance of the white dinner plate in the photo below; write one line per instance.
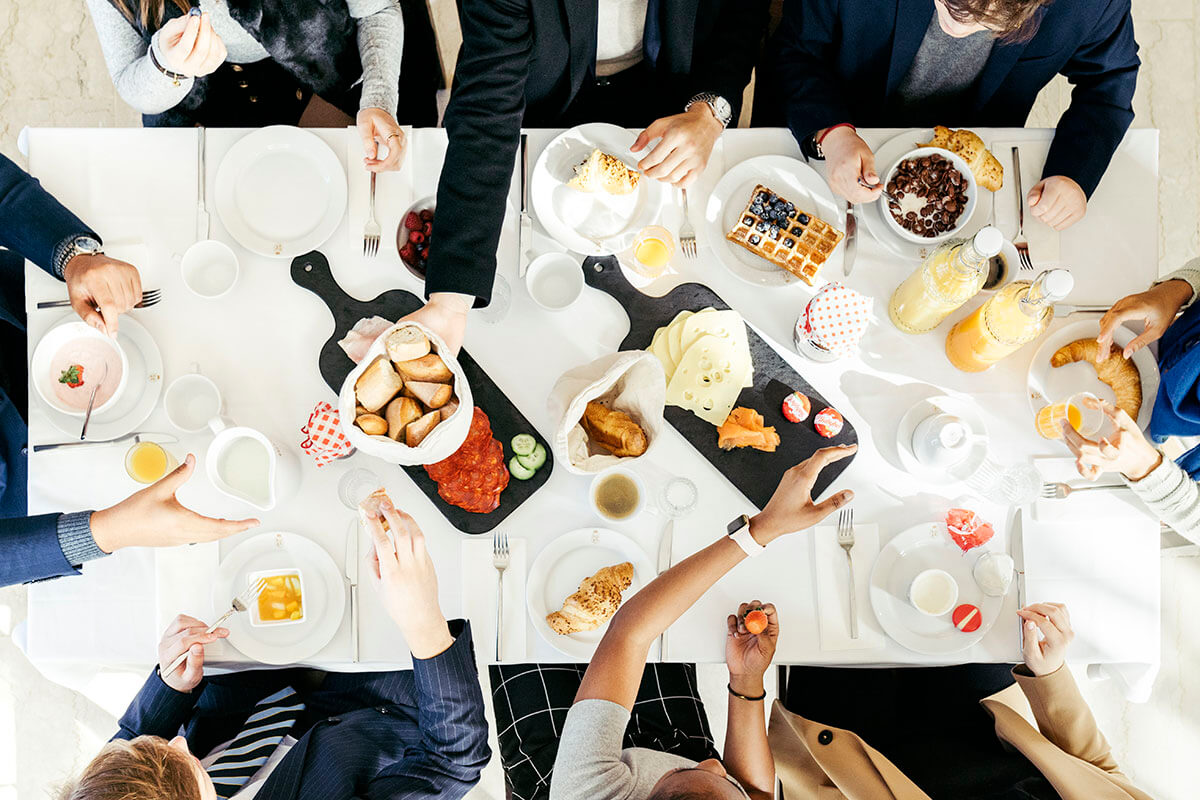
(919, 548)
(592, 223)
(965, 410)
(281, 191)
(558, 570)
(787, 177)
(141, 393)
(1047, 384)
(324, 599)
(871, 214)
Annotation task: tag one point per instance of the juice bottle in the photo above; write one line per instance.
(1015, 315)
(950, 276)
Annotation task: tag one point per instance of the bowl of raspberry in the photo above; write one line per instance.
(414, 234)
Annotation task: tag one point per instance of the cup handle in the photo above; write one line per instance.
(219, 423)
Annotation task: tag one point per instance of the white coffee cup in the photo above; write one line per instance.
(209, 269)
(933, 592)
(191, 401)
(554, 281)
(639, 489)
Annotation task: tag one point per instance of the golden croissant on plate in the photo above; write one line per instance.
(598, 598)
(615, 431)
(988, 171)
(1117, 371)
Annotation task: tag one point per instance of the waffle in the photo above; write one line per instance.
(774, 229)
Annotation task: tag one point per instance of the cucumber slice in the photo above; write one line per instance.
(523, 444)
(519, 470)
(534, 460)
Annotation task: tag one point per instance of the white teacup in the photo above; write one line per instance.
(941, 440)
(554, 280)
(191, 401)
(617, 494)
(209, 268)
(933, 592)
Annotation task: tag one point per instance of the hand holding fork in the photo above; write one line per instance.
(240, 604)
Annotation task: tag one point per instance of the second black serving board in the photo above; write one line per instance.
(311, 271)
(753, 472)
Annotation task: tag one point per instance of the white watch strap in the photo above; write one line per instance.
(747, 543)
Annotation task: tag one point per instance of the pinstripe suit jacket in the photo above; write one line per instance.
(404, 735)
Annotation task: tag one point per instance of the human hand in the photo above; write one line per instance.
(185, 634)
(791, 507)
(1057, 201)
(1048, 653)
(407, 581)
(1155, 308)
(1127, 451)
(685, 142)
(445, 313)
(189, 45)
(101, 289)
(748, 655)
(153, 517)
(378, 127)
(847, 157)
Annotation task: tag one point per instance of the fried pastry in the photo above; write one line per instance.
(1118, 372)
(615, 431)
(988, 171)
(595, 603)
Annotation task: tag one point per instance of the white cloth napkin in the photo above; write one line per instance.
(184, 578)
(833, 576)
(479, 586)
(393, 195)
(1045, 248)
(1096, 504)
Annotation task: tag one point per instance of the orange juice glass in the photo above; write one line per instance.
(652, 251)
(147, 462)
(1087, 420)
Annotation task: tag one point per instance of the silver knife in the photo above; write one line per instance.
(525, 233)
(1016, 547)
(352, 537)
(160, 438)
(665, 545)
(851, 240)
(202, 223)
(1067, 309)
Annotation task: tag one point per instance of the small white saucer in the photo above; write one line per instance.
(971, 417)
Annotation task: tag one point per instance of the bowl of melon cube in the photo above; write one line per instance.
(281, 601)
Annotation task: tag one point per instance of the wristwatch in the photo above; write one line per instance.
(719, 105)
(811, 149)
(739, 531)
(82, 245)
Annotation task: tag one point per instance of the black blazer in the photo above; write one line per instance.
(523, 62)
(415, 734)
(843, 61)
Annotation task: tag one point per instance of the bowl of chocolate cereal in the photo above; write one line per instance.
(936, 193)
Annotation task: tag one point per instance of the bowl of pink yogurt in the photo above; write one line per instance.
(69, 362)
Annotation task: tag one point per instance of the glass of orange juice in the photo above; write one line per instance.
(652, 251)
(1081, 410)
(147, 462)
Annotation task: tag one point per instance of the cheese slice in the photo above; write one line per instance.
(726, 324)
(675, 336)
(658, 348)
(709, 377)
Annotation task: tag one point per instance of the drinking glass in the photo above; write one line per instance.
(652, 251)
(1081, 410)
(148, 462)
(497, 309)
(356, 485)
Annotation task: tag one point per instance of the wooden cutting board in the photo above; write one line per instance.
(754, 473)
(311, 271)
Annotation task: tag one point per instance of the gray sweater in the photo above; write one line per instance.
(143, 86)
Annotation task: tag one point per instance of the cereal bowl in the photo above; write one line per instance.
(915, 163)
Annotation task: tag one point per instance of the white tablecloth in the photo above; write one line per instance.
(260, 345)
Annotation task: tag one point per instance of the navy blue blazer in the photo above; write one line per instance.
(843, 60)
(32, 225)
(418, 733)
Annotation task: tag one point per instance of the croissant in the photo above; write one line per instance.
(598, 598)
(988, 171)
(1117, 371)
(615, 431)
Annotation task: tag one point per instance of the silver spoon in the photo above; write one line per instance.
(891, 198)
(91, 402)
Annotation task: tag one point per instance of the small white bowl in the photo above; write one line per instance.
(554, 281)
(40, 366)
(929, 576)
(258, 622)
(209, 269)
(603, 476)
(971, 188)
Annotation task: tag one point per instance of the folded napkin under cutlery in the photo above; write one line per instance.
(480, 581)
(832, 589)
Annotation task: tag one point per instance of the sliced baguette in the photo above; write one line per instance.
(429, 368)
(377, 384)
(400, 412)
(417, 430)
(372, 424)
(406, 344)
(450, 407)
(431, 395)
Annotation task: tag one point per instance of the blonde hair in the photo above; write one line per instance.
(149, 12)
(145, 768)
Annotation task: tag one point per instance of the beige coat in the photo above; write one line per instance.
(819, 762)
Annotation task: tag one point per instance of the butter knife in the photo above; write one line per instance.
(159, 438)
(1067, 309)
(1016, 547)
(851, 240)
(352, 564)
(202, 222)
(665, 545)
(525, 233)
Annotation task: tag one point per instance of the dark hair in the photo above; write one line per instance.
(149, 12)
(1012, 20)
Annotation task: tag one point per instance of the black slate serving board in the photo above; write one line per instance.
(311, 271)
(753, 472)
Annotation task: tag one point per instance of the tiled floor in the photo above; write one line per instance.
(52, 73)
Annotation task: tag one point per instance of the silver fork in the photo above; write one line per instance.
(150, 297)
(240, 604)
(500, 557)
(1057, 491)
(371, 229)
(687, 234)
(1019, 241)
(845, 538)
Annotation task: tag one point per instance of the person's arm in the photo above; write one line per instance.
(1172, 496)
(139, 83)
(381, 50)
(35, 548)
(1104, 72)
(1189, 273)
(748, 656)
(32, 222)
(805, 46)
(615, 671)
(723, 63)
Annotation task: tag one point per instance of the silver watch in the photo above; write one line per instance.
(719, 105)
(79, 246)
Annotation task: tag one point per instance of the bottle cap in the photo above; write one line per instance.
(988, 241)
(1057, 284)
